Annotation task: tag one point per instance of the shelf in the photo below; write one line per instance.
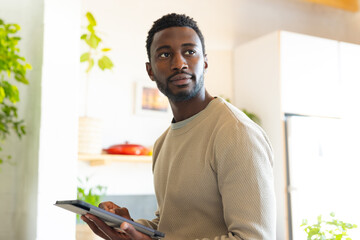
(102, 159)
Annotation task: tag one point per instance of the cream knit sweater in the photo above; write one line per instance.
(213, 178)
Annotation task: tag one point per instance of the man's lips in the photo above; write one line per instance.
(180, 79)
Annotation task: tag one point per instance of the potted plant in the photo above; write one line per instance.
(92, 195)
(90, 133)
(13, 68)
(255, 118)
(333, 229)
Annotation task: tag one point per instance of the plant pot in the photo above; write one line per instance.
(90, 136)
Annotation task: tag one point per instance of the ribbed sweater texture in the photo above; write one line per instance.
(213, 178)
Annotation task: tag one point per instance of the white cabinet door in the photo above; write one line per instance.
(309, 75)
(321, 173)
(350, 78)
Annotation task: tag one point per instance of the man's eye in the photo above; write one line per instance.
(189, 52)
(164, 55)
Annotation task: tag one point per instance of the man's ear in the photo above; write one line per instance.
(205, 63)
(149, 71)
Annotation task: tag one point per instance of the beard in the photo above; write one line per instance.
(183, 95)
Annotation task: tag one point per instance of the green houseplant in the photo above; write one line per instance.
(333, 229)
(95, 52)
(13, 68)
(250, 115)
(92, 195)
(90, 133)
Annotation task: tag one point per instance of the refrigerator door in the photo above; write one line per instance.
(321, 176)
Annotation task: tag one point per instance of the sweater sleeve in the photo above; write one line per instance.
(155, 222)
(243, 163)
(151, 224)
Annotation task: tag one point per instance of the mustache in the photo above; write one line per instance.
(178, 72)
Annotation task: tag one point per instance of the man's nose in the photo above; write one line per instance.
(178, 62)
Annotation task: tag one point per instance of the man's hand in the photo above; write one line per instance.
(113, 208)
(101, 229)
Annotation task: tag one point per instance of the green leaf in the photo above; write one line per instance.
(2, 94)
(28, 66)
(93, 41)
(91, 18)
(304, 222)
(17, 26)
(14, 97)
(106, 49)
(91, 29)
(101, 64)
(84, 57)
(83, 37)
(23, 130)
(105, 63)
(21, 78)
(11, 92)
(13, 28)
(16, 39)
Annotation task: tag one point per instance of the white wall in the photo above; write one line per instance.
(58, 132)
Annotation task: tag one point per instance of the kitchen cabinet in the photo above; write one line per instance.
(291, 73)
(350, 78)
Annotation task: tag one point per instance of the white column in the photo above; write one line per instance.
(59, 116)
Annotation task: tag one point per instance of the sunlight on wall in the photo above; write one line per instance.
(350, 5)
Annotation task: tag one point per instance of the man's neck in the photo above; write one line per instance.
(186, 109)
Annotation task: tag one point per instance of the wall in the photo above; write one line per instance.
(58, 132)
(29, 189)
(18, 183)
(260, 17)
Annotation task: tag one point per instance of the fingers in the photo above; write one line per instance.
(113, 208)
(108, 206)
(94, 227)
(124, 212)
(133, 233)
(101, 229)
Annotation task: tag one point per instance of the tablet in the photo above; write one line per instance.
(111, 219)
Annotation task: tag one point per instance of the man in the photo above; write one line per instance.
(213, 166)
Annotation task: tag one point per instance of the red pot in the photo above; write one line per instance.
(128, 149)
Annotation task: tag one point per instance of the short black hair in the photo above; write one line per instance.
(172, 20)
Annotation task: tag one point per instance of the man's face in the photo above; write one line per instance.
(177, 63)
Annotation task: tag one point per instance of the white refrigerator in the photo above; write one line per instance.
(323, 169)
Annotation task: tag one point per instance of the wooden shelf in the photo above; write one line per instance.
(102, 159)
